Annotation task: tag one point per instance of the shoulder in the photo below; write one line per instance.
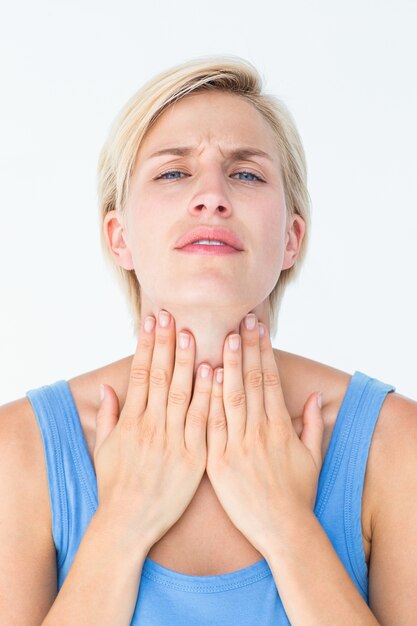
(398, 417)
(301, 376)
(392, 475)
(22, 458)
(27, 557)
(392, 461)
(20, 436)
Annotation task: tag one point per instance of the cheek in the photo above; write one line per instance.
(148, 244)
(271, 260)
(271, 250)
(272, 236)
(140, 229)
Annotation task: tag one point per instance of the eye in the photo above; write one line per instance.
(249, 180)
(168, 175)
(172, 175)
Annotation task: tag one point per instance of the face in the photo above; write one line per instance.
(208, 186)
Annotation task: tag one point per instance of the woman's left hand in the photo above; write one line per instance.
(260, 470)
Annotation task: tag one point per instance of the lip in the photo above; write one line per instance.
(205, 249)
(206, 232)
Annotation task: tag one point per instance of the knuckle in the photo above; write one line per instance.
(196, 417)
(162, 339)
(251, 341)
(146, 341)
(128, 423)
(159, 377)
(283, 433)
(181, 360)
(177, 397)
(147, 432)
(139, 374)
(203, 393)
(217, 394)
(271, 379)
(237, 399)
(218, 422)
(253, 378)
(259, 434)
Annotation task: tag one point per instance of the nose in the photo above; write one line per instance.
(211, 195)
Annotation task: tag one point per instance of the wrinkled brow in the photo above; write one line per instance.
(241, 153)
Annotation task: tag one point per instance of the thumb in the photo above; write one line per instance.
(313, 428)
(107, 414)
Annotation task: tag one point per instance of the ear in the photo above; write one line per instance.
(293, 239)
(114, 232)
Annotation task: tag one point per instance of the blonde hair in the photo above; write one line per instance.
(118, 154)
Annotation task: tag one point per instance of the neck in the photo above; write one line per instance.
(209, 327)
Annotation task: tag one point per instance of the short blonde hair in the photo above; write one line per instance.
(118, 155)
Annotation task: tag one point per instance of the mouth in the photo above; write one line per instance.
(212, 248)
(216, 240)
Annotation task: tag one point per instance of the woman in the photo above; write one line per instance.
(214, 482)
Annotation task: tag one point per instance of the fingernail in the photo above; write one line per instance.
(101, 393)
(149, 324)
(184, 340)
(320, 400)
(204, 371)
(261, 329)
(164, 318)
(219, 375)
(234, 342)
(250, 321)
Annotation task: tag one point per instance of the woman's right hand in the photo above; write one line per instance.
(150, 460)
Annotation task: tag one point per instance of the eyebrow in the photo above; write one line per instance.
(240, 153)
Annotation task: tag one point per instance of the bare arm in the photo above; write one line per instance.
(103, 582)
(313, 583)
(393, 562)
(315, 587)
(27, 552)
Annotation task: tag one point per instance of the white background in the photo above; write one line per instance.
(347, 72)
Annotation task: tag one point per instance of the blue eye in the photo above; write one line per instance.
(170, 172)
(249, 174)
(170, 175)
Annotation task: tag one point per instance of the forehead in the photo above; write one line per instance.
(222, 118)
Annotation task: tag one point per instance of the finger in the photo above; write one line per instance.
(252, 373)
(196, 419)
(216, 423)
(274, 401)
(137, 391)
(234, 399)
(107, 416)
(161, 368)
(313, 429)
(179, 394)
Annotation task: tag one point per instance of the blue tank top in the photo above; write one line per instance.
(247, 596)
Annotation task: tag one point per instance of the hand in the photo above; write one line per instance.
(261, 471)
(150, 460)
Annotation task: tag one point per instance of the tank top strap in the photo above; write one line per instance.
(358, 413)
(339, 494)
(368, 411)
(70, 473)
